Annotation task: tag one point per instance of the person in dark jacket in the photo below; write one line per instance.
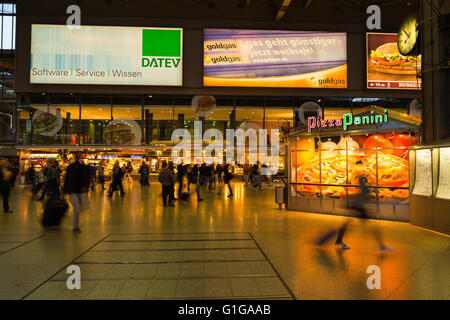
(5, 176)
(118, 174)
(51, 186)
(165, 177)
(181, 172)
(76, 185)
(15, 172)
(193, 179)
(101, 174)
(172, 186)
(144, 171)
(228, 175)
(219, 170)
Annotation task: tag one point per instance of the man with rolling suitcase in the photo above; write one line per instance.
(76, 185)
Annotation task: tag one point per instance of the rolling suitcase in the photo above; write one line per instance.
(54, 211)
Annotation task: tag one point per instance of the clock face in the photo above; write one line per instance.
(407, 35)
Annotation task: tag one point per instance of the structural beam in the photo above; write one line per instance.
(282, 9)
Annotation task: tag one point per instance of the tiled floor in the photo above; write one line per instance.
(134, 248)
(171, 265)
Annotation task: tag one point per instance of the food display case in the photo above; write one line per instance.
(430, 187)
(325, 167)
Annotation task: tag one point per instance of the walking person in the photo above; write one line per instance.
(14, 173)
(228, 175)
(129, 170)
(193, 179)
(5, 186)
(51, 187)
(181, 172)
(144, 171)
(92, 175)
(256, 177)
(219, 170)
(209, 176)
(76, 185)
(174, 180)
(116, 183)
(359, 205)
(101, 174)
(246, 174)
(165, 178)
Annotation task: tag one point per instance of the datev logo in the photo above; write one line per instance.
(161, 48)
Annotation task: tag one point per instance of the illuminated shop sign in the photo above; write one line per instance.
(348, 120)
(106, 55)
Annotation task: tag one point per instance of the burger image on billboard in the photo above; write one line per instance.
(387, 59)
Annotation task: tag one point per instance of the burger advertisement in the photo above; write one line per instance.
(387, 68)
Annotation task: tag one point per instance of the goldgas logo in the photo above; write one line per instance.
(161, 48)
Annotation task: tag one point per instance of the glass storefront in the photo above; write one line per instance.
(326, 166)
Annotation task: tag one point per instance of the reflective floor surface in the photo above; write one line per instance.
(221, 248)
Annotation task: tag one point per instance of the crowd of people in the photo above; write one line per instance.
(178, 182)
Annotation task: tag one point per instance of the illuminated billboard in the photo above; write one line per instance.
(101, 55)
(265, 58)
(387, 68)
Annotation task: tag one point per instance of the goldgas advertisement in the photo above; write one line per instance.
(265, 58)
(106, 55)
(387, 68)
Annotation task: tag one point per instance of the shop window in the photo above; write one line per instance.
(48, 124)
(220, 118)
(94, 121)
(321, 165)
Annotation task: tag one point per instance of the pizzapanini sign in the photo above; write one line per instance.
(348, 120)
(106, 55)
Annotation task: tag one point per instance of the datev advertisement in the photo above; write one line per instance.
(265, 58)
(106, 55)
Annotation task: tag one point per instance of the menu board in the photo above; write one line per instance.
(423, 184)
(387, 68)
(443, 190)
(268, 58)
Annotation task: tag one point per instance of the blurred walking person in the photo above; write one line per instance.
(181, 172)
(228, 175)
(129, 170)
(193, 179)
(101, 174)
(166, 180)
(5, 186)
(76, 185)
(116, 183)
(358, 205)
(51, 186)
(246, 174)
(144, 171)
(174, 180)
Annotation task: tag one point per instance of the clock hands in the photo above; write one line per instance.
(407, 34)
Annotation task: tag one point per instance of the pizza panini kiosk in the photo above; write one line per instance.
(326, 162)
